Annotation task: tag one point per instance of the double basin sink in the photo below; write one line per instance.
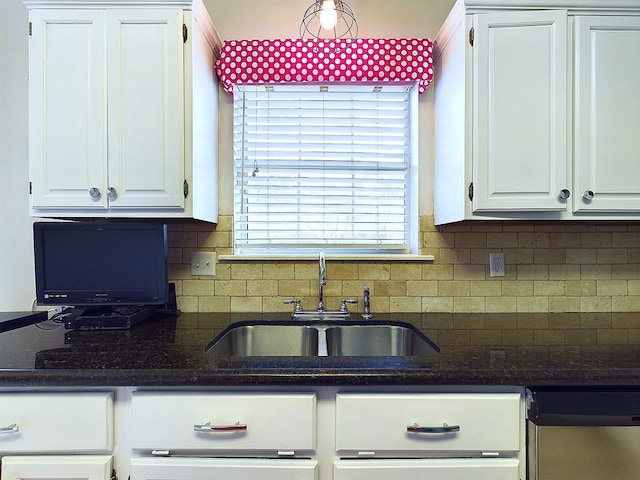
(331, 338)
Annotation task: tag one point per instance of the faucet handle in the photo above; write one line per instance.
(343, 304)
(296, 302)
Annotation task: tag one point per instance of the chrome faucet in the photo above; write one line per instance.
(322, 282)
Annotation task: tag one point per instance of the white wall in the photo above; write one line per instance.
(236, 19)
(265, 19)
(16, 254)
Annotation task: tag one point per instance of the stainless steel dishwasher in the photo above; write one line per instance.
(583, 434)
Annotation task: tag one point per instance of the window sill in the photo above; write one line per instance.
(335, 257)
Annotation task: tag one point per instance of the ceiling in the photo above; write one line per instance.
(268, 19)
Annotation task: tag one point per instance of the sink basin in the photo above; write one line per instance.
(321, 338)
(249, 339)
(393, 339)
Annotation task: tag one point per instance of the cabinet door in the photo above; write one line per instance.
(607, 116)
(224, 422)
(520, 111)
(146, 109)
(67, 109)
(78, 467)
(222, 469)
(427, 424)
(459, 469)
(56, 422)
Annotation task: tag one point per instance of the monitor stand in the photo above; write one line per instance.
(107, 317)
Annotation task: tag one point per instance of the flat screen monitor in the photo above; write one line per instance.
(100, 264)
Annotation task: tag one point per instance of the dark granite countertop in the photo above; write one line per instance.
(170, 351)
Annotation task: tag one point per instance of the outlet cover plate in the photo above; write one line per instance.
(203, 263)
(496, 264)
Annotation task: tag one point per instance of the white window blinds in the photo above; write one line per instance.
(323, 168)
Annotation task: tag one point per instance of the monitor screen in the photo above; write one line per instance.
(91, 264)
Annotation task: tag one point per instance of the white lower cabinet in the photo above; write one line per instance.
(222, 469)
(56, 422)
(56, 467)
(427, 424)
(327, 433)
(223, 435)
(56, 435)
(438, 436)
(440, 469)
(256, 423)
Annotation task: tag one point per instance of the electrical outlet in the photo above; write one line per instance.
(496, 264)
(203, 263)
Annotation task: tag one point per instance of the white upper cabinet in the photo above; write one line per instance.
(520, 114)
(68, 109)
(536, 111)
(145, 114)
(123, 111)
(607, 121)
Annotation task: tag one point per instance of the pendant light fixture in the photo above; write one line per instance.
(328, 19)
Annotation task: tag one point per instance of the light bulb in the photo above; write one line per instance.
(328, 15)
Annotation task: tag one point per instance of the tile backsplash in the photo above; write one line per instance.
(567, 285)
(550, 267)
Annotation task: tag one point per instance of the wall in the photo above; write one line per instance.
(237, 19)
(570, 290)
(552, 268)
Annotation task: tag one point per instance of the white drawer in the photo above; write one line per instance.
(378, 424)
(226, 422)
(433, 469)
(51, 467)
(223, 469)
(56, 422)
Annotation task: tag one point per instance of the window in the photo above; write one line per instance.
(325, 168)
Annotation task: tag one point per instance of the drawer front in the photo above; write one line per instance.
(222, 469)
(56, 422)
(54, 467)
(463, 469)
(416, 424)
(224, 422)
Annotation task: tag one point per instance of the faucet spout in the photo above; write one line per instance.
(322, 281)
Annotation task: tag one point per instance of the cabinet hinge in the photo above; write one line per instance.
(113, 475)
(471, 191)
(185, 189)
(185, 33)
(471, 36)
(30, 28)
(30, 188)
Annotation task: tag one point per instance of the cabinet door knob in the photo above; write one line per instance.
(111, 193)
(13, 428)
(564, 194)
(588, 195)
(94, 192)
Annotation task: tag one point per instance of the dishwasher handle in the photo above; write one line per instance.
(583, 408)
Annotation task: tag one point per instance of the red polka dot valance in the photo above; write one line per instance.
(316, 61)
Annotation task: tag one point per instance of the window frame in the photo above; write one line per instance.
(410, 244)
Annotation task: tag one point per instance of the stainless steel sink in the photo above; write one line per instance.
(321, 338)
(266, 340)
(393, 339)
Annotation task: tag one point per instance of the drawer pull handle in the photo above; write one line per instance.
(415, 428)
(207, 427)
(13, 428)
